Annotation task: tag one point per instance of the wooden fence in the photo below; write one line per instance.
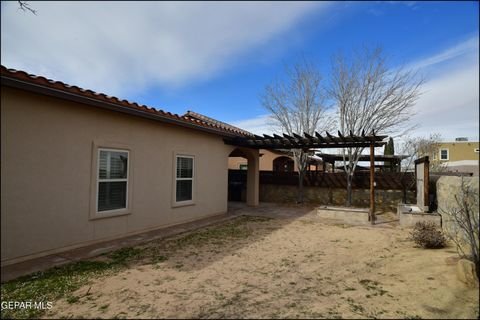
(361, 180)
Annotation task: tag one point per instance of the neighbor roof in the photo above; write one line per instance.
(362, 157)
(23, 80)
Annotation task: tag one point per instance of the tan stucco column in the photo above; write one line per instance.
(253, 176)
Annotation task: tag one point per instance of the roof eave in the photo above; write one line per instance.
(25, 85)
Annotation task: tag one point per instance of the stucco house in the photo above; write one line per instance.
(277, 161)
(460, 155)
(270, 160)
(80, 167)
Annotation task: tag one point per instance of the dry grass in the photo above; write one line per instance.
(273, 268)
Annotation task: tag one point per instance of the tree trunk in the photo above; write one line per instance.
(349, 191)
(300, 186)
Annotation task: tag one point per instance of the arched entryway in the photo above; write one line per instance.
(283, 164)
(243, 176)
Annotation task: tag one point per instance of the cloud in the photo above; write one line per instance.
(261, 124)
(450, 104)
(124, 47)
(468, 47)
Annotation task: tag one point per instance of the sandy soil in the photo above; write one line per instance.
(290, 267)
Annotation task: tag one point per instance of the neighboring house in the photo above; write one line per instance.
(80, 167)
(270, 160)
(275, 160)
(458, 156)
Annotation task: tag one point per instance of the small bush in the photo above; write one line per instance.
(427, 235)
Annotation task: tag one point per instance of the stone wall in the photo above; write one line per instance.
(447, 188)
(386, 200)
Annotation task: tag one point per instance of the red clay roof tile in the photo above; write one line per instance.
(189, 118)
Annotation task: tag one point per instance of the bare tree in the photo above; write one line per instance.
(370, 96)
(297, 105)
(416, 147)
(461, 223)
(25, 6)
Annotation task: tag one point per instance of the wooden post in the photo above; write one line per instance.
(426, 183)
(371, 216)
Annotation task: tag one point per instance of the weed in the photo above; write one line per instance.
(159, 259)
(72, 299)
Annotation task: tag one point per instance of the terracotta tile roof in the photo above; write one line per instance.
(194, 115)
(188, 120)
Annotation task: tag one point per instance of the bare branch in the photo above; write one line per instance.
(371, 96)
(297, 105)
(25, 6)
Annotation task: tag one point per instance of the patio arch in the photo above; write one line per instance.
(253, 176)
(283, 164)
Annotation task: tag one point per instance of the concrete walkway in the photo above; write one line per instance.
(16, 270)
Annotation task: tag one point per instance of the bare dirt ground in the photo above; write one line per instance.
(292, 266)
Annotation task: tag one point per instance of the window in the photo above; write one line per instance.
(112, 179)
(184, 179)
(443, 154)
(476, 150)
(243, 166)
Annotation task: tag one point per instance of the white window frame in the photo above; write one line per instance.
(111, 180)
(176, 203)
(101, 144)
(476, 150)
(440, 154)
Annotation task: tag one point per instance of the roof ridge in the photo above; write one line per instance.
(200, 116)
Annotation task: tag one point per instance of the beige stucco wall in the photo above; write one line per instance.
(449, 189)
(266, 160)
(46, 163)
(460, 150)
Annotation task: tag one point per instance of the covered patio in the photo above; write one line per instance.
(250, 146)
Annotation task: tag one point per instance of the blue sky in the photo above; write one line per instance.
(216, 58)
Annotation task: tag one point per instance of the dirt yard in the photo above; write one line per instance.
(287, 267)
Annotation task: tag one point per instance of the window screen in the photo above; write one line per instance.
(184, 179)
(112, 180)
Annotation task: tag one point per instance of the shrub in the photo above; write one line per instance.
(427, 235)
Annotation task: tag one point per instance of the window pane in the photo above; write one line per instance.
(113, 165)
(184, 167)
(102, 166)
(118, 165)
(444, 154)
(112, 195)
(184, 190)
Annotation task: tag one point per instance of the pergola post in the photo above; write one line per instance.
(371, 216)
(253, 178)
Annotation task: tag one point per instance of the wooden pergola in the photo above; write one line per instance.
(332, 158)
(307, 142)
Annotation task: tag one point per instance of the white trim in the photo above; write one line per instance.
(98, 181)
(440, 154)
(176, 203)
